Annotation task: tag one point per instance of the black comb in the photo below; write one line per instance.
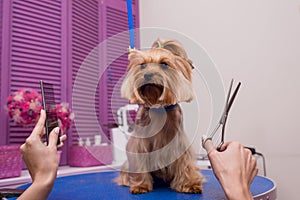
(49, 105)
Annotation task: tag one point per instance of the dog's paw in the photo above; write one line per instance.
(139, 189)
(196, 189)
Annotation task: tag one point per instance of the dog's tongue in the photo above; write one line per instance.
(151, 93)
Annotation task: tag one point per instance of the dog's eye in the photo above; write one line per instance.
(143, 66)
(164, 65)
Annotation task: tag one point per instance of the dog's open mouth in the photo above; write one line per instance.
(151, 92)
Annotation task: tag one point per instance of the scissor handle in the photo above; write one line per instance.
(204, 139)
(220, 146)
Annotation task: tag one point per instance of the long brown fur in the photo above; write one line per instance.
(159, 147)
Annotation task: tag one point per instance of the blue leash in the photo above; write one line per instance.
(130, 24)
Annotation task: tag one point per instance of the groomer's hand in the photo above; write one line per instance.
(234, 167)
(41, 160)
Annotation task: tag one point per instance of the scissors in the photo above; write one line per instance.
(223, 120)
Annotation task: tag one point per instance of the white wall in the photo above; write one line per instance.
(258, 43)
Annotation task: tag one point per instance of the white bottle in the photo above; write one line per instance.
(80, 142)
(97, 140)
(88, 142)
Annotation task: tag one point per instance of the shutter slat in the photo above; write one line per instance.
(27, 45)
(20, 27)
(35, 34)
(30, 60)
(51, 5)
(38, 26)
(35, 18)
(36, 56)
(29, 10)
(34, 38)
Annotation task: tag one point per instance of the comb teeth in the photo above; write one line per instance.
(50, 108)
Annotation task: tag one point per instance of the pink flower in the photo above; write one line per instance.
(65, 116)
(24, 106)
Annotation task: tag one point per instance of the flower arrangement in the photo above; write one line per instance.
(24, 106)
(65, 116)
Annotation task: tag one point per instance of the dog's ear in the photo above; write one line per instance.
(184, 66)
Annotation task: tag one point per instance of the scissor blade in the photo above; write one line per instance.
(228, 94)
(228, 106)
(224, 114)
(211, 135)
(233, 97)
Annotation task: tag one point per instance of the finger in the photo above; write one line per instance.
(207, 144)
(53, 137)
(61, 144)
(38, 129)
(43, 131)
(253, 165)
(22, 148)
(225, 145)
(253, 174)
(248, 152)
(62, 139)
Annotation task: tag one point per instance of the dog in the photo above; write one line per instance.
(158, 79)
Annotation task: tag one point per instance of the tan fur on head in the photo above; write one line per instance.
(174, 81)
(173, 46)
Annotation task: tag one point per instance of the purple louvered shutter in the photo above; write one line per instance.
(3, 74)
(92, 23)
(84, 38)
(1, 11)
(114, 22)
(36, 52)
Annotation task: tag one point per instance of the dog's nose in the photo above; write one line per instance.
(148, 76)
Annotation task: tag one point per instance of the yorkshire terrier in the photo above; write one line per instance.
(158, 79)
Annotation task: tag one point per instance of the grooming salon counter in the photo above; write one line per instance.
(101, 186)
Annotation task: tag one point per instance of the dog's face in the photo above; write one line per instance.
(157, 76)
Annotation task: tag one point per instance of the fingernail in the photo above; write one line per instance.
(56, 130)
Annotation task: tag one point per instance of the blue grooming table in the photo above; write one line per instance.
(101, 186)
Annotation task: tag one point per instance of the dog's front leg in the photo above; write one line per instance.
(187, 178)
(140, 179)
(140, 183)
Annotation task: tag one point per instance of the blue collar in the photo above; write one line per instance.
(170, 107)
(167, 108)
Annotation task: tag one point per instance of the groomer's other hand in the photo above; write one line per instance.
(41, 160)
(234, 167)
